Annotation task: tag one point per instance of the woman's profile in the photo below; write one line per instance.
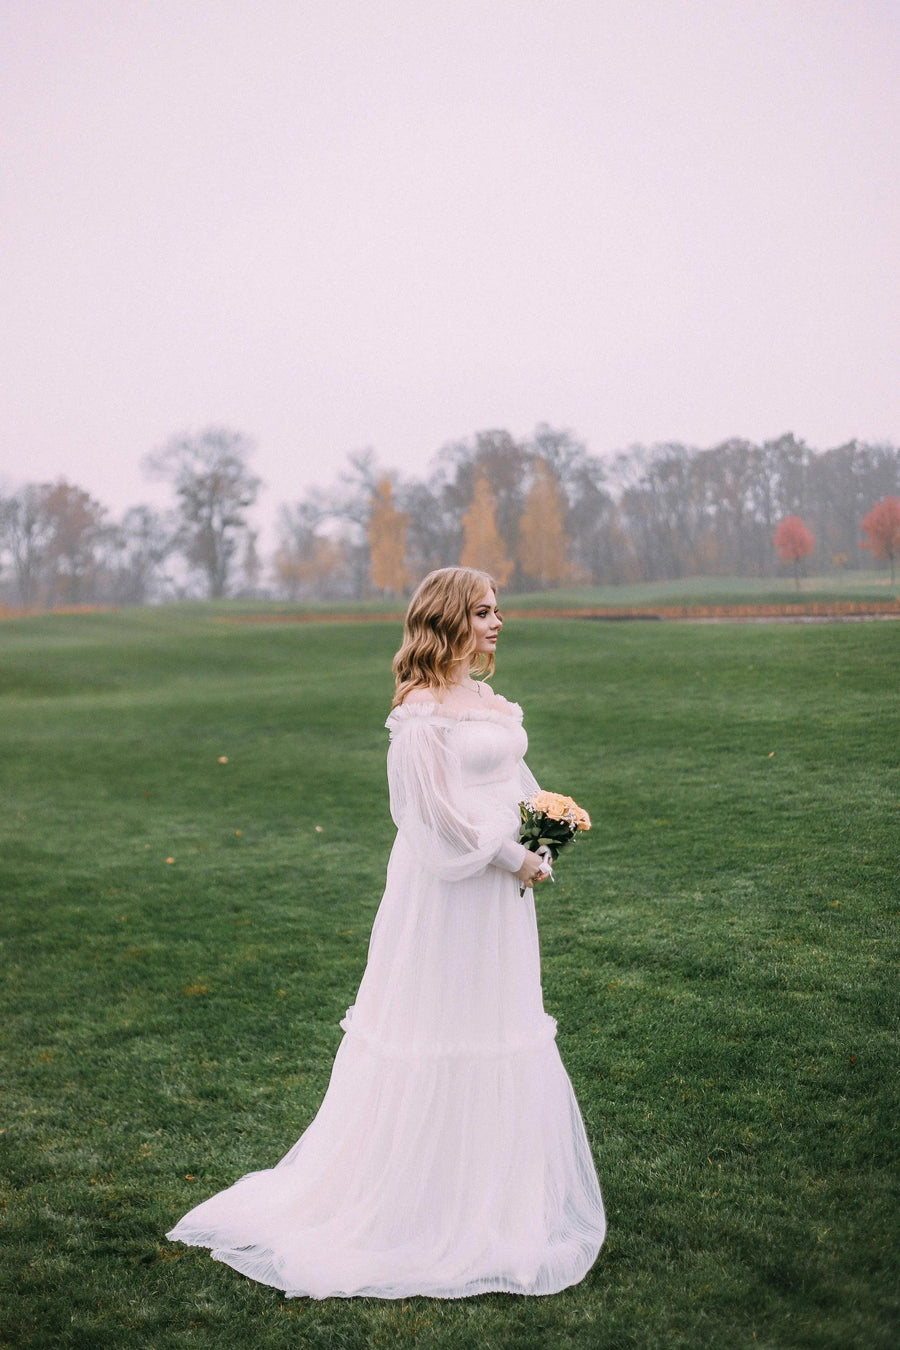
(448, 1157)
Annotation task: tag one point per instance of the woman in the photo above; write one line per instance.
(448, 1157)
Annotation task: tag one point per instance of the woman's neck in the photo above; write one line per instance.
(466, 685)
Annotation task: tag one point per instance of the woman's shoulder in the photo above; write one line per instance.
(415, 706)
(416, 696)
(418, 709)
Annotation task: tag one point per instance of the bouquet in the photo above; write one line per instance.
(549, 822)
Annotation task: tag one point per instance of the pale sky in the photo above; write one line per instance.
(333, 224)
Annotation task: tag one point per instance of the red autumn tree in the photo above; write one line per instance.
(794, 541)
(882, 525)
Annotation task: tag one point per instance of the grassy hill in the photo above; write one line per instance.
(180, 941)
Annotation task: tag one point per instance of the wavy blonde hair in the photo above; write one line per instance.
(437, 633)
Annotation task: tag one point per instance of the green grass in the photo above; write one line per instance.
(717, 952)
(868, 585)
(873, 584)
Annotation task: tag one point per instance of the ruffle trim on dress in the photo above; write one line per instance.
(435, 712)
(544, 1034)
(571, 1256)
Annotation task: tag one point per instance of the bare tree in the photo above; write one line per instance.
(72, 560)
(214, 488)
(137, 548)
(251, 564)
(349, 504)
(27, 531)
(434, 532)
(309, 564)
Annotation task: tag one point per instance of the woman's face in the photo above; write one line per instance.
(486, 623)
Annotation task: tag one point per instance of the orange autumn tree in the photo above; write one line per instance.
(482, 545)
(386, 531)
(794, 541)
(543, 542)
(882, 525)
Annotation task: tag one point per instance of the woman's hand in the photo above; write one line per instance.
(530, 871)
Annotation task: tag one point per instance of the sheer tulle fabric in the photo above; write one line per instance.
(449, 1156)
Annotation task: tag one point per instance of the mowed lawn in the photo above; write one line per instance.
(181, 936)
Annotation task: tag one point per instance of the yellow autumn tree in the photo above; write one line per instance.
(543, 542)
(387, 541)
(482, 546)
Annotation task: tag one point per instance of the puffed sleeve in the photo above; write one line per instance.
(427, 802)
(529, 786)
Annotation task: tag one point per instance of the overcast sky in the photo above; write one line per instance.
(333, 224)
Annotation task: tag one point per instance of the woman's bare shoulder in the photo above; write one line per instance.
(419, 696)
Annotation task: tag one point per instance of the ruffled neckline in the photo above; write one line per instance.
(436, 712)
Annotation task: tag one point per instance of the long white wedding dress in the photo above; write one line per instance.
(449, 1157)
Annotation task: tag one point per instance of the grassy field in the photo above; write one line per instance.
(179, 943)
(869, 585)
(873, 584)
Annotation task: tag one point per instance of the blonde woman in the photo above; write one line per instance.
(449, 1157)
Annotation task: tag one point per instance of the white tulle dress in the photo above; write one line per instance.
(449, 1157)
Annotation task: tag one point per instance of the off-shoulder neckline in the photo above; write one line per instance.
(431, 708)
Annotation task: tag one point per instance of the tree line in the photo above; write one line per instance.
(538, 512)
